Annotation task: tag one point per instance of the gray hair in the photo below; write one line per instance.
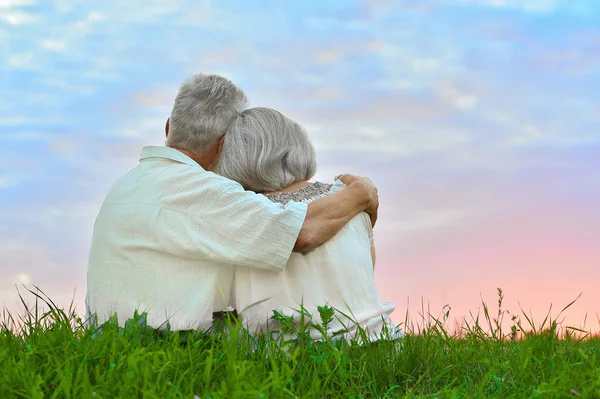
(265, 151)
(204, 108)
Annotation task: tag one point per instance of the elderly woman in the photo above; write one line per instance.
(270, 154)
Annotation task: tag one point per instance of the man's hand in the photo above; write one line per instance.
(370, 190)
(326, 216)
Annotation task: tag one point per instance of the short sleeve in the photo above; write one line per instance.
(243, 228)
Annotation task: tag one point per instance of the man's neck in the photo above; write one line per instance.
(197, 158)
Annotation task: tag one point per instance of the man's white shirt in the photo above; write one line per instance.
(169, 235)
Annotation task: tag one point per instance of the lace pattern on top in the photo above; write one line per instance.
(307, 194)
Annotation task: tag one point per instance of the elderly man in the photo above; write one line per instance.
(170, 232)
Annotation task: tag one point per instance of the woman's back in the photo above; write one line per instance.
(338, 273)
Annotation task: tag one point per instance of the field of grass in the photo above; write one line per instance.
(53, 355)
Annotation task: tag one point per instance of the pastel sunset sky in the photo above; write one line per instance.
(479, 121)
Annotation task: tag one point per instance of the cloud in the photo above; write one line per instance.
(530, 135)
(457, 98)
(22, 61)
(8, 4)
(423, 220)
(522, 5)
(20, 254)
(47, 248)
(53, 45)
(17, 18)
(12, 14)
(22, 278)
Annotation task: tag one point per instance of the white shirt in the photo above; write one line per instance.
(169, 235)
(339, 273)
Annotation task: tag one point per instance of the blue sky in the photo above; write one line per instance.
(478, 119)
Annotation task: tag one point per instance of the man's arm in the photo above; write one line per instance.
(327, 216)
(218, 220)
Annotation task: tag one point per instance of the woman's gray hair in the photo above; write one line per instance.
(265, 151)
(204, 108)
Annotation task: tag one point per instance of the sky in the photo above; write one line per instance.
(478, 120)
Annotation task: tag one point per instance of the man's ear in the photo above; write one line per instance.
(167, 127)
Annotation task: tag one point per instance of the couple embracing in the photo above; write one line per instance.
(224, 216)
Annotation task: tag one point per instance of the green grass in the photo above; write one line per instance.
(53, 355)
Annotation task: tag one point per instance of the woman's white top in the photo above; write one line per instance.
(339, 274)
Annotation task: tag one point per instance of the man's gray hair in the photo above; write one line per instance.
(204, 108)
(265, 151)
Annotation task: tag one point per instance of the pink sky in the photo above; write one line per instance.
(539, 256)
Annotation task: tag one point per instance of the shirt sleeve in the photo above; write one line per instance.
(243, 228)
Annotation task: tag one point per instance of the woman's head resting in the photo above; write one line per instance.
(265, 151)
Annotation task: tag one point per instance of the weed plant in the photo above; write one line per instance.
(56, 354)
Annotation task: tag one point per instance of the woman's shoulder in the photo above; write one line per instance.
(307, 194)
(336, 186)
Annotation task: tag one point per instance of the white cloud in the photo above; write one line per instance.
(19, 252)
(16, 3)
(3, 182)
(22, 278)
(386, 139)
(524, 5)
(458, 98)
(160, 99)
(529, 135)
(12, 14)
(20, 61)
(393, 83)
(13, 120)
(425, 64)
(16, 17)
(53, 45)
(424, 219)
(145, 127)
(65, 85)
(84, 26)
(401, 58)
